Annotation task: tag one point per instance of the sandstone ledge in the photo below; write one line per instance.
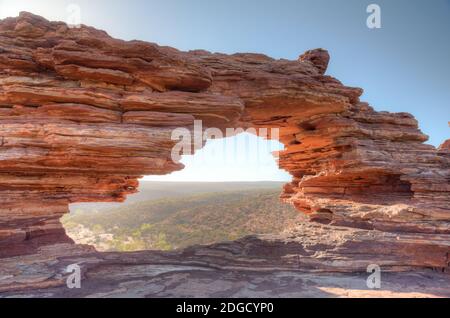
(252, 267)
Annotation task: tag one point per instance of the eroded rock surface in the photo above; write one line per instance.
(262, 266)
(83, 116)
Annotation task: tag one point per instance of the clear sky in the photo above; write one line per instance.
(404, 66)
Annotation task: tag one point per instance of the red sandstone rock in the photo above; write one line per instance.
(273, 266)
(445, 146)
(83, 116)
(319, 58)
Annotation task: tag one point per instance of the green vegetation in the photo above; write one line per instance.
(178, 222)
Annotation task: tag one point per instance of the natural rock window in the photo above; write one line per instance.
(188, 207)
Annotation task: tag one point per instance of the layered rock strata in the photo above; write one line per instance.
(244, 268)
(83, 116)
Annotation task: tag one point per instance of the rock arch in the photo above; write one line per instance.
(83, 116)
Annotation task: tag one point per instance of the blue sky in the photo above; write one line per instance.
(404, 66)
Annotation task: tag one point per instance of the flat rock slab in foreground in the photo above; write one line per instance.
(159, 274)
